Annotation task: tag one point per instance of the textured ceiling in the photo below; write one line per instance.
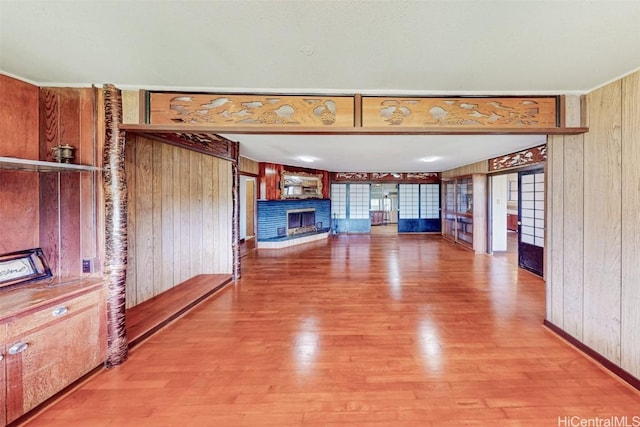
(371, 47)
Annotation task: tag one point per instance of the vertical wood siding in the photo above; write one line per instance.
(180, 217)
(594, 231)
(630, 322)
(555, 229)
(602, 219)
(248, 166)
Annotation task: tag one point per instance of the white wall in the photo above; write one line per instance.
(499, 213)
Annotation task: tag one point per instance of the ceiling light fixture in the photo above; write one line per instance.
(430, 159)
(306, 159)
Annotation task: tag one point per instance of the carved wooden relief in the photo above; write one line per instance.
(386, 176)
(423, 177)
(521, 158)
(251, 110)
(533, 112)
(351, 176)
(431, 177)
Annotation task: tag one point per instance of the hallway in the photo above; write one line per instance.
(405, 330)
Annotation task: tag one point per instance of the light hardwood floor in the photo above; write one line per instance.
(356, 330)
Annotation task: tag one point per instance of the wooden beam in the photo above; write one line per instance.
(199, 129)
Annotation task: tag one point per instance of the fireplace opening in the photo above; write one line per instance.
(301, 221)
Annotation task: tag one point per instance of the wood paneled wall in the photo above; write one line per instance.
(19, 191)
(478, 167)
(593, 189)
(68, 200)
(180, 217)
(20, 119)
(248, 166)
(55, 211)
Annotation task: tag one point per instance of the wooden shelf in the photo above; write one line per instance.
(151, 315)
(463, 226)
(14, 163)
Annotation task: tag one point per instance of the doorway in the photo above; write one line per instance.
(517, 218)
(503, 208)
(384, 208)
(531, 220)
(247, 215)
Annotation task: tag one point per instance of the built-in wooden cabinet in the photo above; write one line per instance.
(51, 332)
(53, 335)
(464, 212)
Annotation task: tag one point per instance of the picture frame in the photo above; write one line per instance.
(300, 185)
(22, 267)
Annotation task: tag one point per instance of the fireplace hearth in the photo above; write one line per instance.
(301, 221)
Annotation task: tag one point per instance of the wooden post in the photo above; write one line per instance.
(115, 197)
(235, 233)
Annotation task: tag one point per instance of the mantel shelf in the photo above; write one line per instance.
(40, 166)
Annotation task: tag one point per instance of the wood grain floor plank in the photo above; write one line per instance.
(357, 330)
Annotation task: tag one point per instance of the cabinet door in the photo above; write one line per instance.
(56, 355)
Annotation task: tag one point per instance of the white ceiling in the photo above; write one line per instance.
(381, 153)
(372, 47)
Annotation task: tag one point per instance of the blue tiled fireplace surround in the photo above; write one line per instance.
(272, 215)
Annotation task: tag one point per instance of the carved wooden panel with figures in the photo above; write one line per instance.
(251, 110)
(531, 112)
(520, 158)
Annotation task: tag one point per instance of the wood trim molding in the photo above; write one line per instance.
(305, 130)
(606, 363)
(357, 114)
(562, 111)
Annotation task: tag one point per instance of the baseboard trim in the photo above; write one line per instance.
(606, 363)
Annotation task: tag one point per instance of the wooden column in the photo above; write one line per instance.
(115, 196)
(235, 232)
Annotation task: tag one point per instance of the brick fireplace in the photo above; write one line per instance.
(292, 220)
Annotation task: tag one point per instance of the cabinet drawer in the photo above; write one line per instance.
(18, 327)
